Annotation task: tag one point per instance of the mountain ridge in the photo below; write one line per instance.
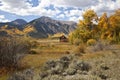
(42, 27)
(19, 22)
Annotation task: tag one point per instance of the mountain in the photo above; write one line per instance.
(19, 22)
(37, 28)
(45, 26)
(13, 28)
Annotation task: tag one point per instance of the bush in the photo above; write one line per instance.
(83, 66)
(71, 71)
(91, 42)
(65, 66)
(11, 51)
(53, 77)
(25, 75)
(100, 45)
(79, 49)
(32, 52)
(77, 42)
(34, 44)
(111, 41)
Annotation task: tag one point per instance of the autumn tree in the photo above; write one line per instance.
(85, 27)
(103, 26)
(88, 17)
(115, 25)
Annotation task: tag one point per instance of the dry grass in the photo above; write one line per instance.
(4, 77)
(95, 55)
(47, 50)
(39, 59)
(53, 49)
(99, 65)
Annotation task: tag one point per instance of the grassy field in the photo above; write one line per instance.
(47, 50)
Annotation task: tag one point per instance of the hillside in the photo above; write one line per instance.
(46, 25)
(39, 28)
(19, 22)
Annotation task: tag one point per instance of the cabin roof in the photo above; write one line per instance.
(59, 35)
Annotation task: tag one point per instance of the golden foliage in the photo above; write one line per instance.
(28, 29)
(91, 42)
(107, 27)
(11, 32)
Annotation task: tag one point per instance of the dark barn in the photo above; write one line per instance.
(63, 38)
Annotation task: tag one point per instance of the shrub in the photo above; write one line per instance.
(79, 49)
(111, 41)
(43, 74)
(50, 64)
(77, 42)
(11, 51)
(53, 77)
(100, 45)
(25, 75)
(65, 61)
(32, 52)
(33, 44)
(65, 66)
(71, 71)
(83, 66)
(91, 42)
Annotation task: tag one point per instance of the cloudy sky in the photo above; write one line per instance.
(57, 9)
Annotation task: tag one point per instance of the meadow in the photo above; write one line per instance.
(46, 50)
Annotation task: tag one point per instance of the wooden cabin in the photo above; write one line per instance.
(63, 38)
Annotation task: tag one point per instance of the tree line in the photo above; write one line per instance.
(97, 28)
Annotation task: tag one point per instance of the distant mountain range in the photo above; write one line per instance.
(38, 28)
(19, 22)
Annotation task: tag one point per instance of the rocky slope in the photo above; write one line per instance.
(42, 27)
(45, 26)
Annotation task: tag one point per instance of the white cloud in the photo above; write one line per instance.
(30, 0)
(15, 4)
(3, 19)
(76, 19)
(75, 12)
(61, 16)
(19, 7)
(74, 3)
(107, 6)
(23, 8)
(73, 18)
(2, 16)
(44, 3)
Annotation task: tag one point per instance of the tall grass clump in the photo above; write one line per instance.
(79, 50)
(27, 74)
(12, 50)
(63, 68)
(91, 42)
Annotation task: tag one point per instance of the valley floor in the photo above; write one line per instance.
(53, 49)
